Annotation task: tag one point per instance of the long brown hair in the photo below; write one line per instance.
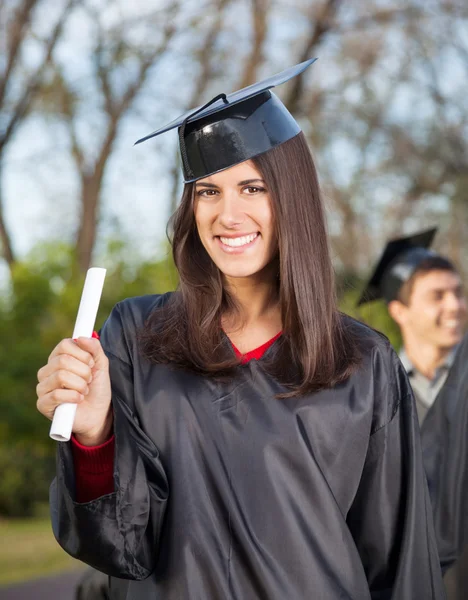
(317, 349)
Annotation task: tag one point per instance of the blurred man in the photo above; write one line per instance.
(425, 297)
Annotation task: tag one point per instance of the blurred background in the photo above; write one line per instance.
(384, 109)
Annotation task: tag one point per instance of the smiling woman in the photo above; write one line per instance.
(239, 438)
(283, 274)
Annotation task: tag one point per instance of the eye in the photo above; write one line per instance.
(207, 192)
(253, 189)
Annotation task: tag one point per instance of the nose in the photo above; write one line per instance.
(230, 210)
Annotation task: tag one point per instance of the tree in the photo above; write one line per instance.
(120, 68)
(386, 119)
(21, 25)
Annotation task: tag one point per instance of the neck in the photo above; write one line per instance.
(426, 358)
(256, 298)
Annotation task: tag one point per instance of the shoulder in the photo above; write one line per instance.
(368, 340)
(120, 330)
(380, 372)
(136, 310)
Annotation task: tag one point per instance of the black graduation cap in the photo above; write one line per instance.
(400, 259)
(230, 129)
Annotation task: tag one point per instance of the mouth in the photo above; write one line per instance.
(237, 244)
(451, 324)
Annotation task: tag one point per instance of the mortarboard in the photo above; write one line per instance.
(400, 259)
(230, 129)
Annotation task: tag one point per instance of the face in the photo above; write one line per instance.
(235, 220)
(437, 309)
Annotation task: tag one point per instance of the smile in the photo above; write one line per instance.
(237, 244)
(451, 324)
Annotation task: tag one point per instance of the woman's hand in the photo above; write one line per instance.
(78, 372)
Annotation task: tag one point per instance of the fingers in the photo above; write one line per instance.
(78, 356)
(94, 349)
(72, 366)
(47, 403)
(66, 362)
(71, 348)
(63, 379)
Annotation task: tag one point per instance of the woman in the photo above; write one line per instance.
(266, 446)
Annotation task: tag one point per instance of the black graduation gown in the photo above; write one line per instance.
(444, 436)
(223, 491)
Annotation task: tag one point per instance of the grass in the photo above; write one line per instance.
(28, 549)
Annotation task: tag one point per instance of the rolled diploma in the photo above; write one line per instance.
(64, 414)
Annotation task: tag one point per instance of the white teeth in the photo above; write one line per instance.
(450, 323)
(238, 241)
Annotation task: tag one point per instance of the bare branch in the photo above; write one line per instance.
(34, 83)
(259, 11)
(205, 54)
(17, 32)
(383, 17)
(115, 110)
(103, 74)
(205, 60)
(321, 26)
(5, 240)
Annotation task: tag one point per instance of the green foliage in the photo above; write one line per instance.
(26, 469)
(374, 314)
(36, 312)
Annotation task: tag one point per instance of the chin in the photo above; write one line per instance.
(245, 268)
(239, 273)
(451, 340)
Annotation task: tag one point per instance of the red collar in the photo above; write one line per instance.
(257, 353)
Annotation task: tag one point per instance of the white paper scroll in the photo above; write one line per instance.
(64, 415)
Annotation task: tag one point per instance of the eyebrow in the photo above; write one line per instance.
(208, 185)
(456, 288)
(245, 182)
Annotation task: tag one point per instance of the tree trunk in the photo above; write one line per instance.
(90, 190)
(458, 215)
(5, 240)
(260, 21)
(322, 25)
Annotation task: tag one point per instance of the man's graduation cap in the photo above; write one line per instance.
(230, 129)
(400, 259)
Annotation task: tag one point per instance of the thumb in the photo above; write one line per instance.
(93, 346)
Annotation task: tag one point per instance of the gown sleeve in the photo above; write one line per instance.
(391, 518)
(117, 533)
